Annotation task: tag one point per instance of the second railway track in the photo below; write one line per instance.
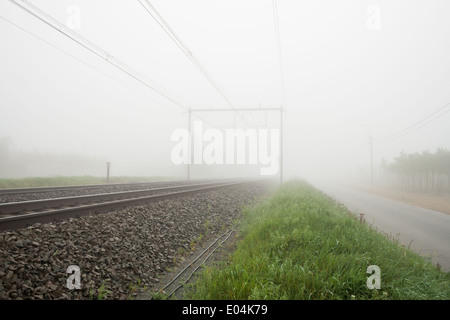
(23, 213)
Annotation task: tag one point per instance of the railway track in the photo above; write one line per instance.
(15, 191)
(23, 213)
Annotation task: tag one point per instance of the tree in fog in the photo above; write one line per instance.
(425, 172)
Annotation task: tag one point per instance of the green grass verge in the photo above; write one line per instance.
(71, 181)
(300, 244)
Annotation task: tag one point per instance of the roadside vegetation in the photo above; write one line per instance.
(300, 244)
(424, 172)
(72, 181)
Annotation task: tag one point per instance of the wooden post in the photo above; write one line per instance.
(108, 164)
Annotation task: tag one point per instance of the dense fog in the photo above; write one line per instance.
(361, 84)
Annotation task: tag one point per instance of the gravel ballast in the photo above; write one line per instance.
(117, 252)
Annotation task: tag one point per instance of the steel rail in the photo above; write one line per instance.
(19, 219)
(21, 206)
(12, 191)
(229, 232)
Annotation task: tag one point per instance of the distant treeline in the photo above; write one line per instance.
(19, 164)
(424, 172)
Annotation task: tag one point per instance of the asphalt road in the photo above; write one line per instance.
(425, 231)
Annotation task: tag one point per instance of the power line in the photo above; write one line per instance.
(55, 24)
(423, 122)
(176, 39)
(50, 21)
(71, 55)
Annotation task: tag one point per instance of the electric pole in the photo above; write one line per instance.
(190, 146)
(259, 109)
(371, 160)
(281, 144)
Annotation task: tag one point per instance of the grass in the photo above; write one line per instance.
(135, 287)
(101, 294)
(300, 244)
(71, 181)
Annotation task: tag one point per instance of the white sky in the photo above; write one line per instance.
(343, 79)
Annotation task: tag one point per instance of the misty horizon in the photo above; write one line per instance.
(352, 70)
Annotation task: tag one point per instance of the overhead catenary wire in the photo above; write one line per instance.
(177, 40)
(55, 24)
(47, 19)
(71, 55)
(182, 46)
(81, 61)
